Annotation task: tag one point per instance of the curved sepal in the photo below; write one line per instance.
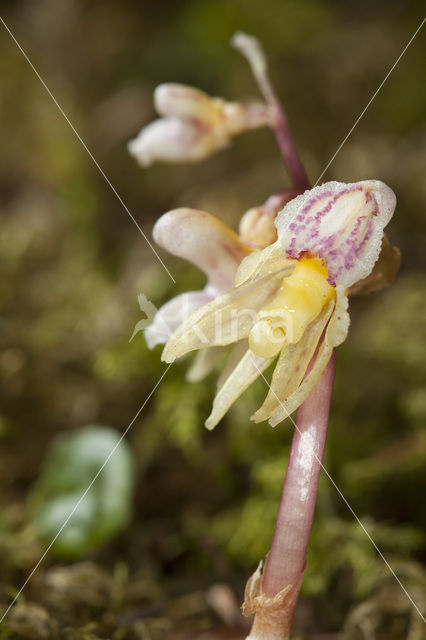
(205, 241)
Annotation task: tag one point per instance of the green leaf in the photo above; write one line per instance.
(74, 460)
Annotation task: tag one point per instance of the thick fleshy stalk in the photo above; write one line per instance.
(251, 49)
(285, 563)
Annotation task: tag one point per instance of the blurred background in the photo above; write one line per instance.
(176, 525)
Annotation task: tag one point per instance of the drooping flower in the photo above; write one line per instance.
(193, 125)
(289, 299)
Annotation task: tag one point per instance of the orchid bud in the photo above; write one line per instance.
(257, 228)
(194, 125)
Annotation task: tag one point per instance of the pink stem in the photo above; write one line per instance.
(288, 150)
(285, 563)
(284, 135)
(286, 559)
(252, 50)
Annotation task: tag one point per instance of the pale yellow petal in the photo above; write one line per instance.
(292, 365)
(260, 263)
(226, 319)
(172, 314)
(235, 355)
(204, 363)
(246, 372)
(299, 396)
(338, 327)
(334, 335)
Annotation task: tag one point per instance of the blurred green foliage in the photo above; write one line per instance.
(73, 263)
(61, 502)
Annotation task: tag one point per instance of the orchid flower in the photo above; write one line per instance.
(289, 299)
(193, 125)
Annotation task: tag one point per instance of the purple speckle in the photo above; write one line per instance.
(340, 249)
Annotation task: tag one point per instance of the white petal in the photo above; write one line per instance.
(174, 140)
(204, 240)
(246, 372)
(172, 314)
(340, 223)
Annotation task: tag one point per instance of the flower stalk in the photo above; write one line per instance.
(285, 563)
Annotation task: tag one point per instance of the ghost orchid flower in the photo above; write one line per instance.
(193, 125)
(290, 299)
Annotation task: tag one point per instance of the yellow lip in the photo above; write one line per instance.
(297, 303)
